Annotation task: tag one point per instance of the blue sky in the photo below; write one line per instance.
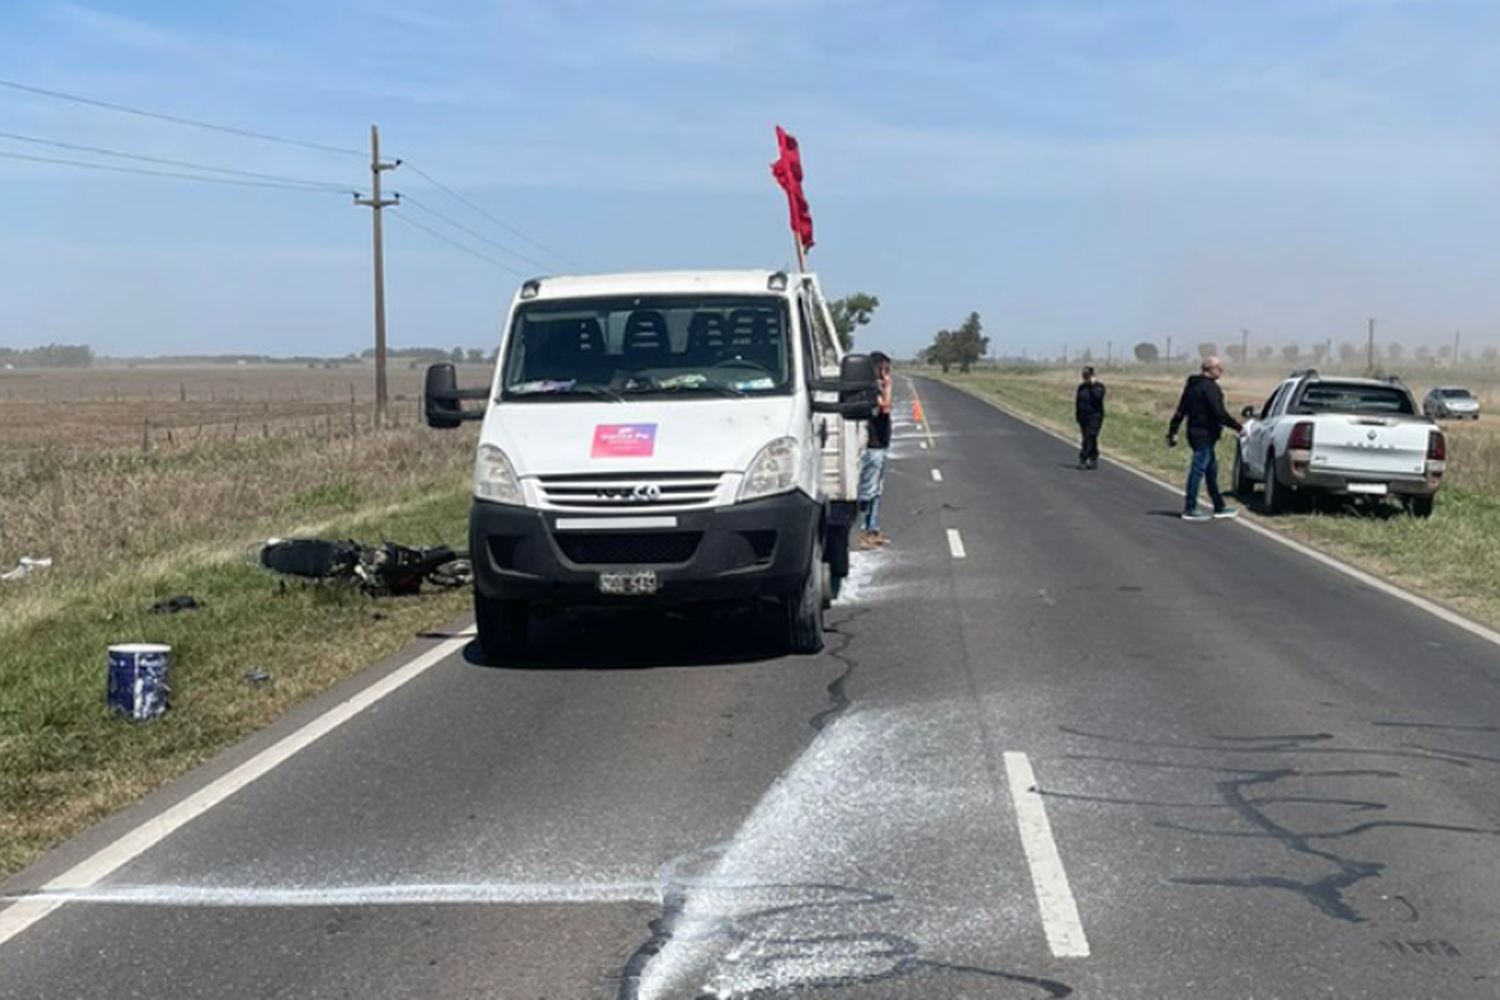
(1080, 173)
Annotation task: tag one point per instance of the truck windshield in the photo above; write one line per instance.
(667, 347)
(1337, 397)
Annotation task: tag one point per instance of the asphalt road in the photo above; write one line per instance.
(1061, 744)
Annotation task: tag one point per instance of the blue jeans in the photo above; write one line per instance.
(1204, 467)
(871, 486)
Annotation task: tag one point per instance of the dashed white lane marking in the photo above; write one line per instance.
(1054, 897)
(18, 916)
(956, 544)
(937, 475)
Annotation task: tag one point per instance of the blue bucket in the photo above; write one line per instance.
(138, 679)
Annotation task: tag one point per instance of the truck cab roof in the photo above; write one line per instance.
(740, 282)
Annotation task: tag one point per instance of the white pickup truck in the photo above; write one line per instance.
(1340, 435)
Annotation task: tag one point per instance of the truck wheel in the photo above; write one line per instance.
(1244, 486)
(836, 554)
(1277, 495)
(1420, 506)
(804, 609)
(503, 626)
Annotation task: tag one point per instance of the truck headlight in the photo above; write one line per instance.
(495, 478)
(773, 471)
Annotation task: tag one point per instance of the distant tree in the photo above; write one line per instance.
(969, 342)
(1290, 353)
(1490, 355)
(1423, 354)
(851, 312)
(1207, 350)
(1445, 352)
(1264, 351)
(1236, 352)
(475, 356)
(457, 355)
(1394, 351)
(1348, 354)
(942, 351)
(1320, 353)
(1147, 353)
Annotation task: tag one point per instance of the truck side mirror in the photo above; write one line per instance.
(1248, 413)
(859, 389)
(444, 406)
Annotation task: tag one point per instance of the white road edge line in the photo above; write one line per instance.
(937, 475)
(956, 544)
(1432, 608)
(1054, 897)
(18, 916)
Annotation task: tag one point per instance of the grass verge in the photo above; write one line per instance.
(1450, 558)
(66, 762)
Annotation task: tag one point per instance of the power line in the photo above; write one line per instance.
(168, 173)
(454, 243)
(58, 144)
(409, 200)
(497, 221)
(177, 119)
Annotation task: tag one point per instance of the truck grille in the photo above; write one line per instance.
(629, 549)
(630, 491)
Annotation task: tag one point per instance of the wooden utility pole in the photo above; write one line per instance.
(1370, 346)
(1455, 348)
(1244, 347)
(376, 203)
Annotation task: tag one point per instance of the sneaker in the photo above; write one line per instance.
(866, 540)
(1093, 463)
(879, 538)
(1197, 515)
(1227, 512)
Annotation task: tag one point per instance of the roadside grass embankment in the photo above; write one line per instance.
(1452, 558)
(126, 530)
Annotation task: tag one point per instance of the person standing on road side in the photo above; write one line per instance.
(1088, 409)
(1202, 406)
(872, 459)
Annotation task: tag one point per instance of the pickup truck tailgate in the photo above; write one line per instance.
(1370, 446)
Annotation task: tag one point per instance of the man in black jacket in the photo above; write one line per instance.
(1202, 406)
(1088, 410)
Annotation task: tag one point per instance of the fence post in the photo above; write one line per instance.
(145, 435)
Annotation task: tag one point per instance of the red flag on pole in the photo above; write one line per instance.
(788, 173)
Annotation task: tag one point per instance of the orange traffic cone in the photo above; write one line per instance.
(916, 412)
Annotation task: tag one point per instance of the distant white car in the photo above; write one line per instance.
(1451, 402)
(1340, 435)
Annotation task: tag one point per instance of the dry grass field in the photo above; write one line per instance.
(145, 484)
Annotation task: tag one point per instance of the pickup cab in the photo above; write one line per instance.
(1352, 436)
(658, 439)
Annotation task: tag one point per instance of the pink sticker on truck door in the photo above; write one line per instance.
(624, 441)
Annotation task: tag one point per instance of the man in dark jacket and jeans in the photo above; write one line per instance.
(1088, 410)
(1202, 406)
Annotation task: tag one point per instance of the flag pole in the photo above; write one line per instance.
(801, 253)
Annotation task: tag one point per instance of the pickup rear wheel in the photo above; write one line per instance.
(1244, 486)
(503, 626)
(804, 609)
(1419, 506)
(1278, 496)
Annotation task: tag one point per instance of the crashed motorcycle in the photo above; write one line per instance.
(381, 570)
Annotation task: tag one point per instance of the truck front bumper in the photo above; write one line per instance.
(755, 549)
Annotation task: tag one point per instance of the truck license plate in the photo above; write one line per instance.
(1379, 489)
(636, 583)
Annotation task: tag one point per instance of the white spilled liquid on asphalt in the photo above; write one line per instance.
(852, 868)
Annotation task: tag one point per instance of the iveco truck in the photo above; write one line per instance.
(660, 439)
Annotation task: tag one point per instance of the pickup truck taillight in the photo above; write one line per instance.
(1437, 456)
(1301, 437)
